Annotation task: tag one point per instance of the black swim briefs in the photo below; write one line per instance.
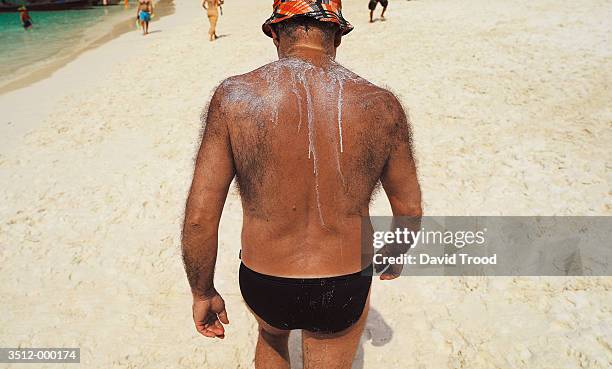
(372, 4)
(326, 305)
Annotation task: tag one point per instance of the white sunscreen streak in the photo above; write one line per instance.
(311, 144)
(242, 93)
(272, 77)
(310, 117)
(339, 164)
(299, 101)
(340, 90)
(337, 76)
(340, 82)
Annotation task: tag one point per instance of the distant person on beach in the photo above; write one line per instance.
(372, 7)
(24, 16)
(308, 142)
(143, 14)
(212, 8)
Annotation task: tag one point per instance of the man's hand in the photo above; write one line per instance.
(208, 314)
(391, 271)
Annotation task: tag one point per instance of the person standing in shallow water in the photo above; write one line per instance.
(308, 142)
(24, 17)
(212, 9)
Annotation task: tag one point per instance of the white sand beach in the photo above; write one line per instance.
(510, 106)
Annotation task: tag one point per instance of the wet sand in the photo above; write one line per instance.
(511, 116)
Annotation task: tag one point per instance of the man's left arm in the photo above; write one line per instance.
(214, 171)
(400, 182)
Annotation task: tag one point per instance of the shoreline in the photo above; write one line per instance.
(51, 7)
(41, 70)
(18, 116)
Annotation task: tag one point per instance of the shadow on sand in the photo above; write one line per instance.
(377, 331)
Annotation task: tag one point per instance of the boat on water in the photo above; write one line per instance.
(12, 5)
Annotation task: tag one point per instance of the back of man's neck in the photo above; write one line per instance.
(315, 54)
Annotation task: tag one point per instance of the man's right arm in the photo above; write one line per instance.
(214, 171)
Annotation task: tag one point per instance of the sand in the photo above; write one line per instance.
(510, 104)
(99, 34)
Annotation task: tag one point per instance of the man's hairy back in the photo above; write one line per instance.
(309, 145)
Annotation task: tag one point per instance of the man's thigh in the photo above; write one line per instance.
(333, 351)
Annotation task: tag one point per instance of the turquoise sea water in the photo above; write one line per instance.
(54, 33)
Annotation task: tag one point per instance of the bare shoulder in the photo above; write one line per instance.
(243, 88)
(376, 103)
(232, 86)
(371, 96)
(238, 80)
(252, 78)
(225, 101)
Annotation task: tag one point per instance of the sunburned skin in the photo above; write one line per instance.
(304, 191)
